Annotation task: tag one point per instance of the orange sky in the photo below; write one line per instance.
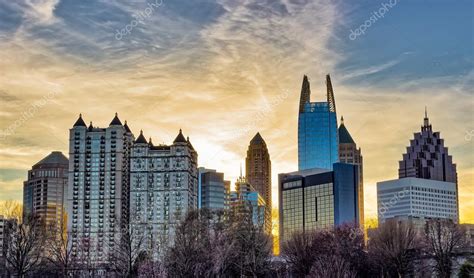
(238, 78)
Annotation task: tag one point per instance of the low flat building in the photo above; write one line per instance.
(416, 198)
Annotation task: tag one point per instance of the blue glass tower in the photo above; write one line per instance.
(318, 140)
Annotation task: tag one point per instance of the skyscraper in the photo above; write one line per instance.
(427, 184)
(349, 153)
(427, 157)
(45, 191)
(317, 129)
(318, 199)
(211, 189)
(247, 199)
(259, 174)
(98, 188)
(163, 188)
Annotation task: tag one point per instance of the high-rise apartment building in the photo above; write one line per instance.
(349, 153)
(318, 138)
(163, 188)
(318, 199)
(259, 174)
(98, 188)
(45, 191)
(211, 189)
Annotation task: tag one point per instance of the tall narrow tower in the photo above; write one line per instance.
(98, 189)
(318, 145)
(349, 153)
(258, 169)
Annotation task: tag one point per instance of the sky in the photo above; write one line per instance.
(224, 70)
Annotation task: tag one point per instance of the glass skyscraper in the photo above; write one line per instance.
(318, 140)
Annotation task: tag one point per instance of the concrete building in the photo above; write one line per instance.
(427, 184)
(419, 198)
(45, 191)
(97, 202)
(349, 153)
(211, 189)
(318, 138)
(163, 187)
(318, 199)
(258, 171)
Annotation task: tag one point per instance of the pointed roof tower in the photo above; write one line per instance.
(127, 129)
(305, 93)
(330, 94)
(90, 126)
(180, 138)
(344, 135)
(80, 122)
(257, 139)
(141, 139)
(115, 120)
(426, 122)
(189, 143)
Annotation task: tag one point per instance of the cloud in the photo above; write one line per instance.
(370, 70)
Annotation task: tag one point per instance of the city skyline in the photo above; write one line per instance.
(162, 83)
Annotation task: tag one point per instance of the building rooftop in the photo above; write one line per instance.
(53, 158)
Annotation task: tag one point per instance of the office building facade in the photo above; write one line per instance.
(97, 202)
(318, 199)
(211, 189)
(349, 153)
(45, 191)
(318, 140)
(246, 199)
(416, 198)
(163, 188)
(259, 174)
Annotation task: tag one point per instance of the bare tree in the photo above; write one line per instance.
(24, 240)
(190, 256)
(394, 246)
(59, 248)
(298, 253)
(129, 250)
(11, 209)
(442, 238)
(251, 245)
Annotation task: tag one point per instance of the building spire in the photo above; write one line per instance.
(241, 169)
(330, 94)
(342, 120)
(305, 93)
(426, 121)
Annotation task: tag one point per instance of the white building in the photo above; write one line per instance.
(418, 198)
(163, 187)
